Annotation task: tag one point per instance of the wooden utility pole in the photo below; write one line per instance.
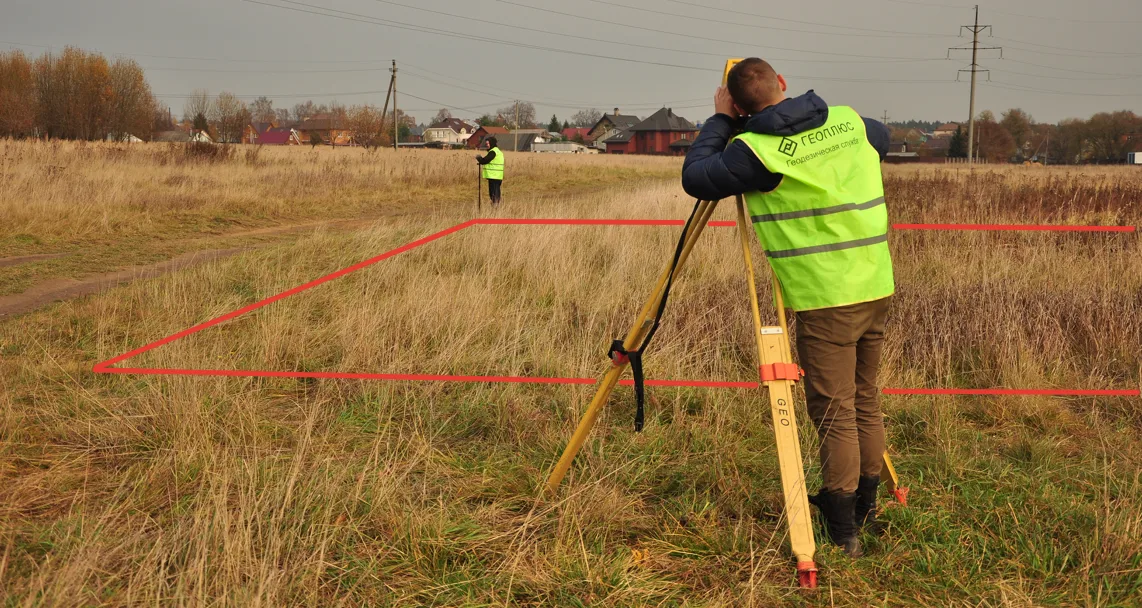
(396, 119)
(975, 29)
(385, 111)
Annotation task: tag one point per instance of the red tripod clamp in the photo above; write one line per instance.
(781, 371)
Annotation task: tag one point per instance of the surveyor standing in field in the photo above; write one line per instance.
(811, 178)
(493, 169)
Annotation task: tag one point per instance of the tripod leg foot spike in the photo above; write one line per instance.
(901, 496)
(807, 575)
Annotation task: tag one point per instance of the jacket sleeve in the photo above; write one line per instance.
(487, 157)
(713, 171)
(878, 135)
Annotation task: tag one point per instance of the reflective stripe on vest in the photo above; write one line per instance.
(495, 168)
(825, 227)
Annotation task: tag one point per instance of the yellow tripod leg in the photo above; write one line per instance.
(634, 338)
(773, 347)
(892, 481)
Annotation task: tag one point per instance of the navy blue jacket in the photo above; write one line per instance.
(712, 171)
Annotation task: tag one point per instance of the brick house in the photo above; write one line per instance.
(331, 130)
(664, 133)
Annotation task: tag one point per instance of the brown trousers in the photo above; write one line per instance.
(839, 348)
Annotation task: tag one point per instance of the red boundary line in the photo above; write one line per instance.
(105, 366)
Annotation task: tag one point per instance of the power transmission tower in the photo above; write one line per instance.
(885, 118)
(975, 48)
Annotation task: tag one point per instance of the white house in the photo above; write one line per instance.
(560, 147)
(451, 132)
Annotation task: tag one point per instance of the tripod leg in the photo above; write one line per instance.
(641, 325)
(892, 481)
(773, 348)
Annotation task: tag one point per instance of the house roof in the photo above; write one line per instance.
(621, 137)
(620, 121)
(571, 132)
(455, 124)
(493, 130)
(948, 126)
(276, 136)
(522, 143)
(664, 120)
(261, 127)
(171, 136)
(320, 124)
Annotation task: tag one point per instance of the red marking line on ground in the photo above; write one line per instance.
(1015, 227)
(730, 224)
(104, 367)
(1012, 391)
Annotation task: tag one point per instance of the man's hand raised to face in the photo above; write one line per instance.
(724, 104)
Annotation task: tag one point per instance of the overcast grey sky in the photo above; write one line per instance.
(1061, 58)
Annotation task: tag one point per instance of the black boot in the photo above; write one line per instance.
(839, 511)
(866, 504)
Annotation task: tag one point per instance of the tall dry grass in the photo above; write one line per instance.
(238, 491)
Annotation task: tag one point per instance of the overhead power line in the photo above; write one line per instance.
(798, 21)
(629, 26)
(656, 11)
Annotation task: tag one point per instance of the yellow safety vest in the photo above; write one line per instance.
(825, 227)
(495, 168)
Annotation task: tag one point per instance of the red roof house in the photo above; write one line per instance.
(281, 136)
(477, 139)
(576, 132)
(663, 133)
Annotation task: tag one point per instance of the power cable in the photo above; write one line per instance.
(1063, 48)
(686, 35)
(704, 7)
(885, 34)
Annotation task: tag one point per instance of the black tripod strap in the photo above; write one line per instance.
(619, 355)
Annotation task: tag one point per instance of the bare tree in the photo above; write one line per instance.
(17, 95)
(281, 114)
(132, 105)
(586, 118)
(519, 115)
(1109, 133)
(197, 103)
(366, 126)
(262, 109)
(302, 111)
(230, 118)
(441, 116)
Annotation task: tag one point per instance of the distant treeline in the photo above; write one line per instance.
(74, 95)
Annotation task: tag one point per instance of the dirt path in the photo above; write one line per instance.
(54, 290)
(26, 259)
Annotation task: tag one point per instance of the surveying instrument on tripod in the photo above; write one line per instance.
(778, 373)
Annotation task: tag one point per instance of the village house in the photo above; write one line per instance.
(577, 134)
(476, 141)
(280, 136)
(521, 140)
(450, 132)
(253, 131)
(664, 132)
(609, 126)
(331, 130)
(946, 130)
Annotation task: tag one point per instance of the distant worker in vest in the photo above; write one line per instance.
(493, 170)
(811, 177)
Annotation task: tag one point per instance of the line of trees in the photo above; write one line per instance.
(74, 95)
(1015, 136)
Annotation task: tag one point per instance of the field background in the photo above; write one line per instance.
(127, 490)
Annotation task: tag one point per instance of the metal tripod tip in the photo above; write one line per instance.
(901, 496)
(807, 575)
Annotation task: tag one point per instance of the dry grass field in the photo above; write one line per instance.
(144, 490)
